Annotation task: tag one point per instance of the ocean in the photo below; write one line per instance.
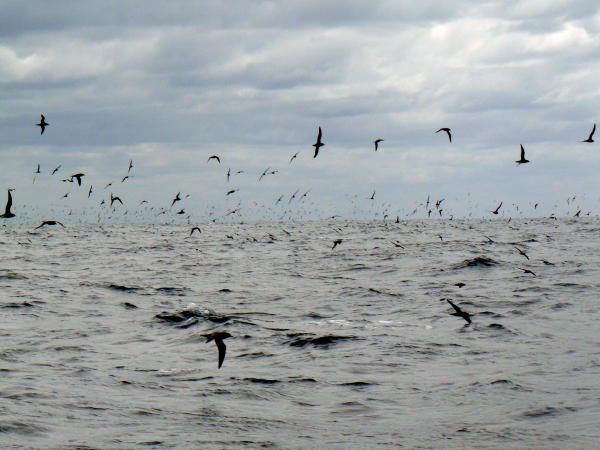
(352, 347)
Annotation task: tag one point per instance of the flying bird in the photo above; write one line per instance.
(124, 178)
(528, 271)
(459, 312)
(589, 139)
(176, 199)
(336, 243)
(228, 174)
(447, 130)
(77, 176)
(43, 124)
(90, 191)
(130, 165)
(56, 169)
(232, 191)
(49, 222)
(522, 160)
(7, 213)
(376, 142)
(294, 156)
(195, 229)
(497, 209)
(263, 174)
(214, 157)
(372, 197)
(114, 199)
(522, 252)
(38, 169)
(317, 145)
(218, 337)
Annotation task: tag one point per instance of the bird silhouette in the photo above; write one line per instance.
(56, 169)
(114, 199)
(77, 176)
(317, 145)
(195, 229)
(294, 156)
(497, 209)
(522, 252)
(376, 142)
(214, 157)
(176, 199)
(43, 124)
(590, 139)
(130, 165)
(49, 222)
(522, 160)
(7, 212)
(218, 337)
(336, 243)
(459, 312)
(447, 130)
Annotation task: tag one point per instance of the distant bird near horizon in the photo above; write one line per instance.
(114, 198)
(447, 130)
(293, 157)
(497, 209)
(459, 312)
(176, 199)
(77, 176)
(7, 212)
(218, 337)
(263, 174)
(522, 160)
(590, 137)
(43, 124)
(317, 145)
(214, 157)
(376, 142)
(49, 222)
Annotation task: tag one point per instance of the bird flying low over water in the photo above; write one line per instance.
(176, 199)
(447, 130)
(336, 243)
(590, 137)
(218, 337)
(522, 160)
(497, 209)
(522, 252)
(49, 222)
(77, 176)
(130, 165)
(7, 212)
(459, 312)
(214, 157)
(317, 145)
(376, 142)
(56, 169)
(43, 124)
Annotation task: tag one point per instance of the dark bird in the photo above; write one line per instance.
(459, 312)
(447, 130)
(528, 271)
(459, 284)
(90, 191)
(43, 124)
(263, 174)
(7, 213)
(56, 169)
(522, 160)
(522, 252)
(214, 157)
(336, 243)
(231, 191)
(228, 174)
(181, 211)
(130, 165)
(124, 178)
(218, 337)
(397, 244)
(77, 176)
(372, 197)
(294, 156)
(195, 229)
(109, 184)
(293, 196)
(548, 263)
(497, 209)
(66, 195)
(589, 139)
(114, 199)
(38, 169)
(49, 222)
(176, 199)
(577, 213)
(376, 142)
(279, 199)
(317, 145)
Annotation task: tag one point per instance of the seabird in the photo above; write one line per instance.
(7, 213)
(459, 284)
(589, 139)
(114, 199)
(218, 337)
(228, 174)
(195, 229)
(459, 312)
(38, 169)
(231, 191)
(181, 211)
(497, 209)
(376, 142)
(124, 178)
(317, 145)
(43, 124)
(336, 243)
(78, 177)
(130, 165)
(522, 160)
(397, 244)
(263, 174)
(176, 199)
(214, 157)
(294, 157)
(447, 130)
(90, 191)
(49, 222)
(372, 197)
(56, 169)
(528, 271)
(522, 252)
(109, 184)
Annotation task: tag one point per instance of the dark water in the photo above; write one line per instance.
(342, 348)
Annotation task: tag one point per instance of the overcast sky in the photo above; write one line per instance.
(167, 84)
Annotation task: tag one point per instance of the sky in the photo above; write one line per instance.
(168, 84)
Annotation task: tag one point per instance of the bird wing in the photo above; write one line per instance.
(449, 135)
(522, 152)
(592, 132)
(456, 308)
(222, 349)
(8, 204)
(319, 135)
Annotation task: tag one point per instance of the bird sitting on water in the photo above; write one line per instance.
(218, 337)
(7, 212)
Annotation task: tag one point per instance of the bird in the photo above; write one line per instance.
(90, 191)
(228, 174)
(181, 211)
(522, 252)
(130, 165)
(7, 212)
(176, 199)
(263, 174)
(317, 145)
(218, 337)
(589, 139)
(522, 160)
(214, 157)
(195, 229)
(114, 199)
(376, 142)
(336, 243)
(124, 178)
(372, 197)
(78, 177)
(38, 169)
(49, 222)
(497, 209)
(397, 244)
(459, 312)
(459, 284)
(43, 124)
(56, 169)
(528, 271)
(231, 191)
(109, 184)
(447, 130)
(294, 156)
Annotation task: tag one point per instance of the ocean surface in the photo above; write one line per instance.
(102, 346)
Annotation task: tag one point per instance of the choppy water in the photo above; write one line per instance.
(342, 348)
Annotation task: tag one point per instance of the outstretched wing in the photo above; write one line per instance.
(592, 132)
(456, 308)
(222, 349)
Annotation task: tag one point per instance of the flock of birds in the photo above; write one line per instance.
(219, 336)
